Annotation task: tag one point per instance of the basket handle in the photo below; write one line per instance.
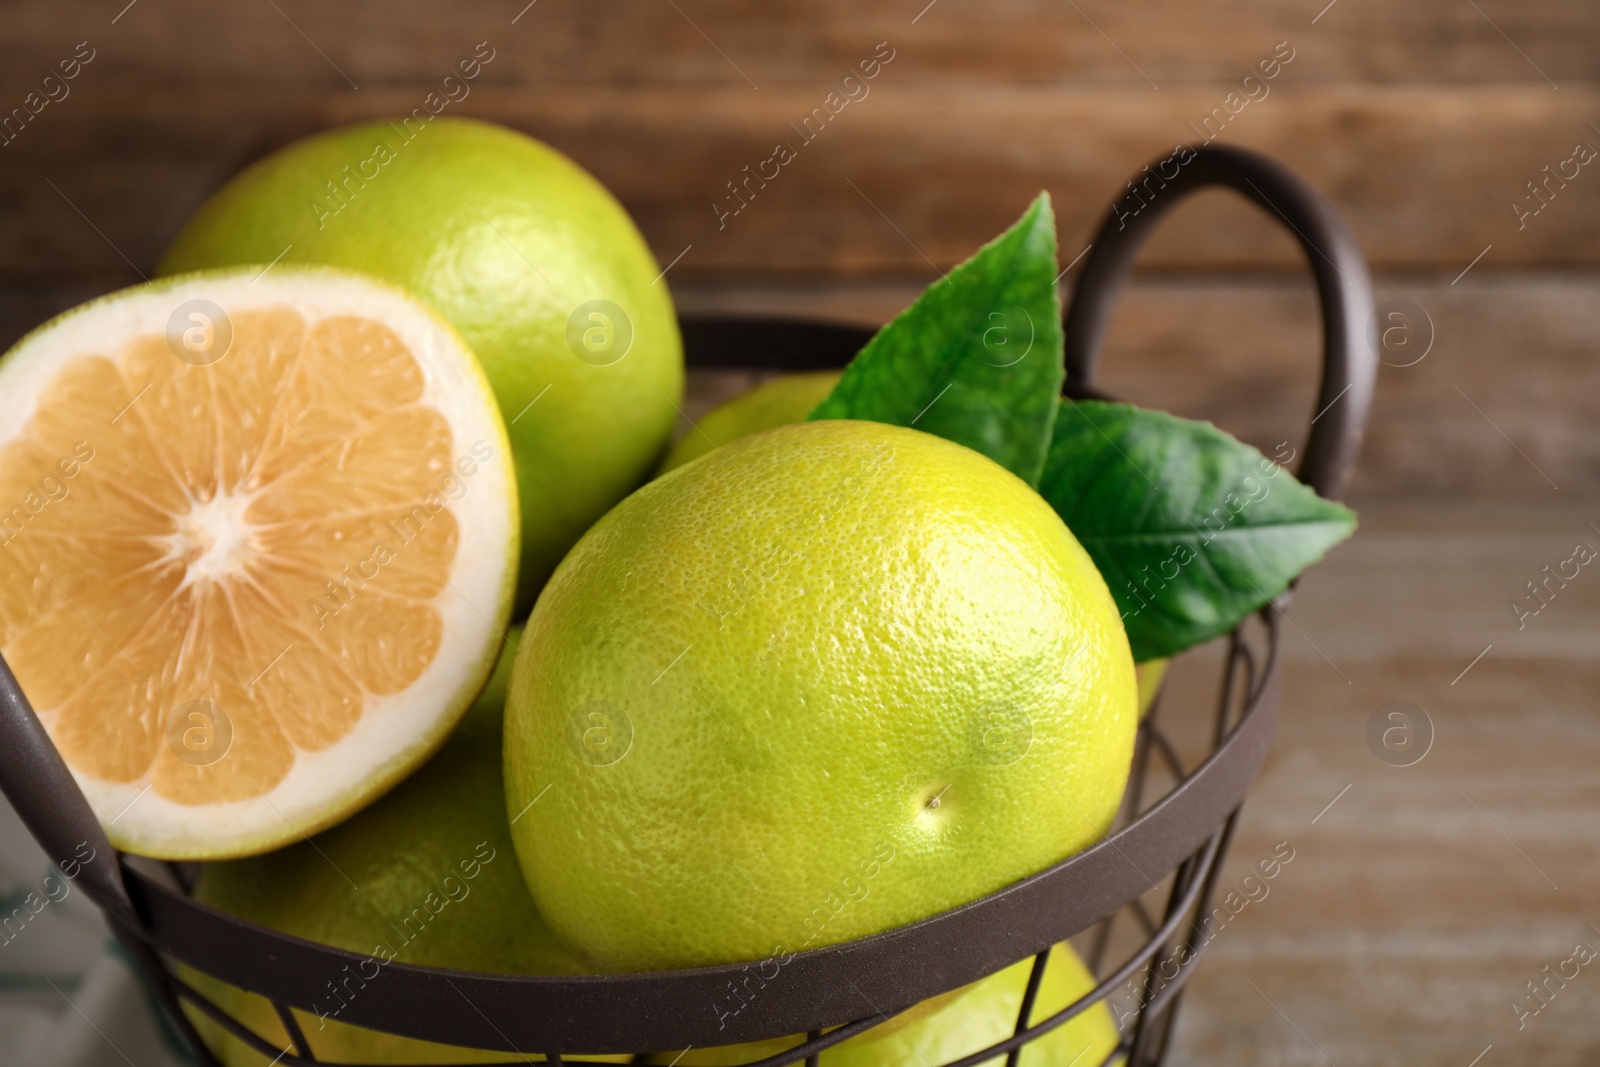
(35, 779)
(1344, 287)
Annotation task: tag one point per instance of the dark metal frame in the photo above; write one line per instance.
(1181, 835)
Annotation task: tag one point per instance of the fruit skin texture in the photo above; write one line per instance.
(506, 238)
(410, 853)
(776, 402)
(959, 1024)
(787, 399)
(834, 678)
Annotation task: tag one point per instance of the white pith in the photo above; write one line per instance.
(213, 537)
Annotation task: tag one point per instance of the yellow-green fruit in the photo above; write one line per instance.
(967, 1021)
(525, 253)
(833, 678)
(790, 398)
(426, 875)
(778, 402)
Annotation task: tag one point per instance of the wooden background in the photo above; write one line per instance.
(1426, 897)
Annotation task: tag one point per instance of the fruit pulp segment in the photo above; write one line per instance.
(246, 532)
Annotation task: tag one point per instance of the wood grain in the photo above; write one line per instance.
(294, 43)
(1423, 122)
(1420, 904)
(905, 181)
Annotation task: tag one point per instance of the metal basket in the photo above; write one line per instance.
(1156, 870)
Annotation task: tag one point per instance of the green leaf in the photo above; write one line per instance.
(977, 358)
(1192, 529)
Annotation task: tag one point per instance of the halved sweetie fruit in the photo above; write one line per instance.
(258, 542)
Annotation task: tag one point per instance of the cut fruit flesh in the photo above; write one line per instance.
(253, 564)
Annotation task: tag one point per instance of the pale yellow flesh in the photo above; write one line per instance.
(265, 532)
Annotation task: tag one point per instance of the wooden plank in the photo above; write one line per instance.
(1173, 43)
(907, 178)
(1420, 904)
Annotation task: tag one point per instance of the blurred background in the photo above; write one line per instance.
(1458, 137)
